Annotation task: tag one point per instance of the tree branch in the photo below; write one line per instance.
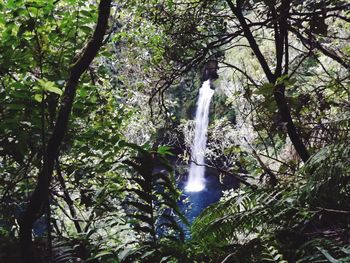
(41, 193)
(248, 34)
(236, 176)
(312, 42)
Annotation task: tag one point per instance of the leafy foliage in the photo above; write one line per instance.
(153, 208)
(112, 199)
(294, 222)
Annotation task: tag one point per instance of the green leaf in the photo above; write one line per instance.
(144, 229)
(147, 254)
(128, 252)
(54, 89)
(142, 218)
(83, 92)
(266, 89)
(142, 207)
(290, 82)
(103, 253)
(164, 150)
(49, 86)
(328, 256)
(38, 97)
(165, 259)
(281, 79)
(85, 29)
(142, 194)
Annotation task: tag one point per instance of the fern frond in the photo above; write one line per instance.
(242, 215)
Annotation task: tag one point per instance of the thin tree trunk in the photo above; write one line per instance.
(280, 31)
(38, 200)
(67, 198)
(284, 111)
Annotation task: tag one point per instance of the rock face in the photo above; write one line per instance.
(210, 70)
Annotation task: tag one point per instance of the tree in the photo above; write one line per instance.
(40, 196)
(89, 157)
(219, 26)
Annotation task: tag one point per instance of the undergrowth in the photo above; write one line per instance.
(303, 219)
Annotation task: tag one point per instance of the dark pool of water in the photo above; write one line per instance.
(200, 200)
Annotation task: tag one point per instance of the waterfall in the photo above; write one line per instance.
(196, 180)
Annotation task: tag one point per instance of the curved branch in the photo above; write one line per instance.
(314, 43)
(279, 89)
(242, 72)
(248, 34)
(40, 195)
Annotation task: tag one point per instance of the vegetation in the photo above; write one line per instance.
(97, 102)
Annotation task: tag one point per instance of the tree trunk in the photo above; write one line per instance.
(284, 111)
(38, 200)
(280, 33)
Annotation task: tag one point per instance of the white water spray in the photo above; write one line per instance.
(196, 180)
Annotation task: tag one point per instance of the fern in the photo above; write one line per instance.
(293, 222)
(271, 254)
(323, 250)
(242, 217)
(154, 213)
(63, 252)
(328, 178)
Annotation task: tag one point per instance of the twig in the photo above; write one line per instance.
(239, 178)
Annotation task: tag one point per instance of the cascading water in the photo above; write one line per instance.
(196, 180)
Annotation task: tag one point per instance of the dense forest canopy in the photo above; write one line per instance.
(97, 128)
